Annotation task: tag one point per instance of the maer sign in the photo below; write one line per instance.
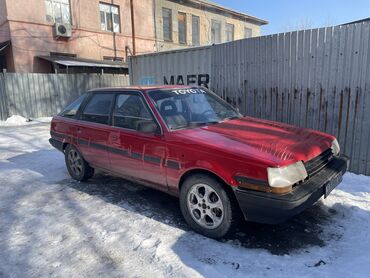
(190, 79)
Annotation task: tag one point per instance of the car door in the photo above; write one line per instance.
(93, 129)
(138, 148)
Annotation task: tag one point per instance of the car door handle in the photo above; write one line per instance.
(79, 131)
(114, 137)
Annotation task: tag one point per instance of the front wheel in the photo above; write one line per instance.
(77, 167)
(207, 207)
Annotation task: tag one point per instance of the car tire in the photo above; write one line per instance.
(77, 166)
(213, 214)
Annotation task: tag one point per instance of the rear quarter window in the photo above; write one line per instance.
(71, 110)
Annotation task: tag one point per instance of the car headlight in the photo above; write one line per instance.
(283, 177)
(335, 147)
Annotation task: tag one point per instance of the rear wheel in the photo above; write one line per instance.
(207, 207)
(77, 167)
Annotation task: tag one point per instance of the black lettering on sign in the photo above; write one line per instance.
(191, 79)
(180, 80)
(203, 80)
(172, 80)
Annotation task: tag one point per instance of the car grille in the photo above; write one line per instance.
(316, 164)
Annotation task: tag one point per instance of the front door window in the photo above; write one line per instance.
(130, 112)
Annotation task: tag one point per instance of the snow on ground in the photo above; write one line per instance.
(17, 120)
(51, 225)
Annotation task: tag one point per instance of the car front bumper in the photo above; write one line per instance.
(271, 208)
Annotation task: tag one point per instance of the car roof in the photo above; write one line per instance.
(141, 88)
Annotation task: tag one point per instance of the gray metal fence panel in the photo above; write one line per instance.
(317, 78)
(38, 95)
(3, 99)
(189, 66)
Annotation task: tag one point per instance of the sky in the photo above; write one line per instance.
(288, 15)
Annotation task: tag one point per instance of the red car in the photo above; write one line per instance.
(190, 143)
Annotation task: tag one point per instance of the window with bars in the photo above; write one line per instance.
(195, 30)
(167, 24)
(182, 27)
(215, 31)
(109, 18)
(58, 11)
(229, 32)
(247, 32)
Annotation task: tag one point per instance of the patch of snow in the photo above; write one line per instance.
(51, 225)
(17, 120)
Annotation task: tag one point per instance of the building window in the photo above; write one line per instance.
(58, 11)
(182, 27)
(167, 24)
(229, 28)
(215, 31)
(195, 30)
(247, 32)
(109, 18)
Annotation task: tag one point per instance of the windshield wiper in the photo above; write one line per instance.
(203, 123)
(192, 124)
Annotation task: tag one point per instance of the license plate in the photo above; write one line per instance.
(332, 184)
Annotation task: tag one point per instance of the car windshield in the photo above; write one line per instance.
(186, 108)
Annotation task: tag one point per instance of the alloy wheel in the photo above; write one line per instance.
(75, 162)
(205, 206)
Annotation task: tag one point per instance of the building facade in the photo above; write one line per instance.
(98, 36)
(100, 31)
(200, 22)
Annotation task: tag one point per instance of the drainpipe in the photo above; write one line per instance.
(133, 27)
(155, 25)
(114, 37)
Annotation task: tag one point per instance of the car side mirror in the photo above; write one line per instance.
(149, 127)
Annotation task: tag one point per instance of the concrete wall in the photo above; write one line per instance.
(5, 35)
(4, 27)
(32, 35)
(2, 12)
(205, 25)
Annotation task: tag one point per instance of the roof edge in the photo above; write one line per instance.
(230, 11)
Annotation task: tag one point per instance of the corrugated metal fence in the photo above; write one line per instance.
(38, 95)
(316, 78)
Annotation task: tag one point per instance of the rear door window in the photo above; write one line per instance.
(131, 112)
(71, 110)
(98, 109)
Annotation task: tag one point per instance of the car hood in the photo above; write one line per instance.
(273, 142)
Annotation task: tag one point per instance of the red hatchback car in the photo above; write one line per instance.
(190, 143)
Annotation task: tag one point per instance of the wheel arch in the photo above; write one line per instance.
(204, 172)
(64, 146)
